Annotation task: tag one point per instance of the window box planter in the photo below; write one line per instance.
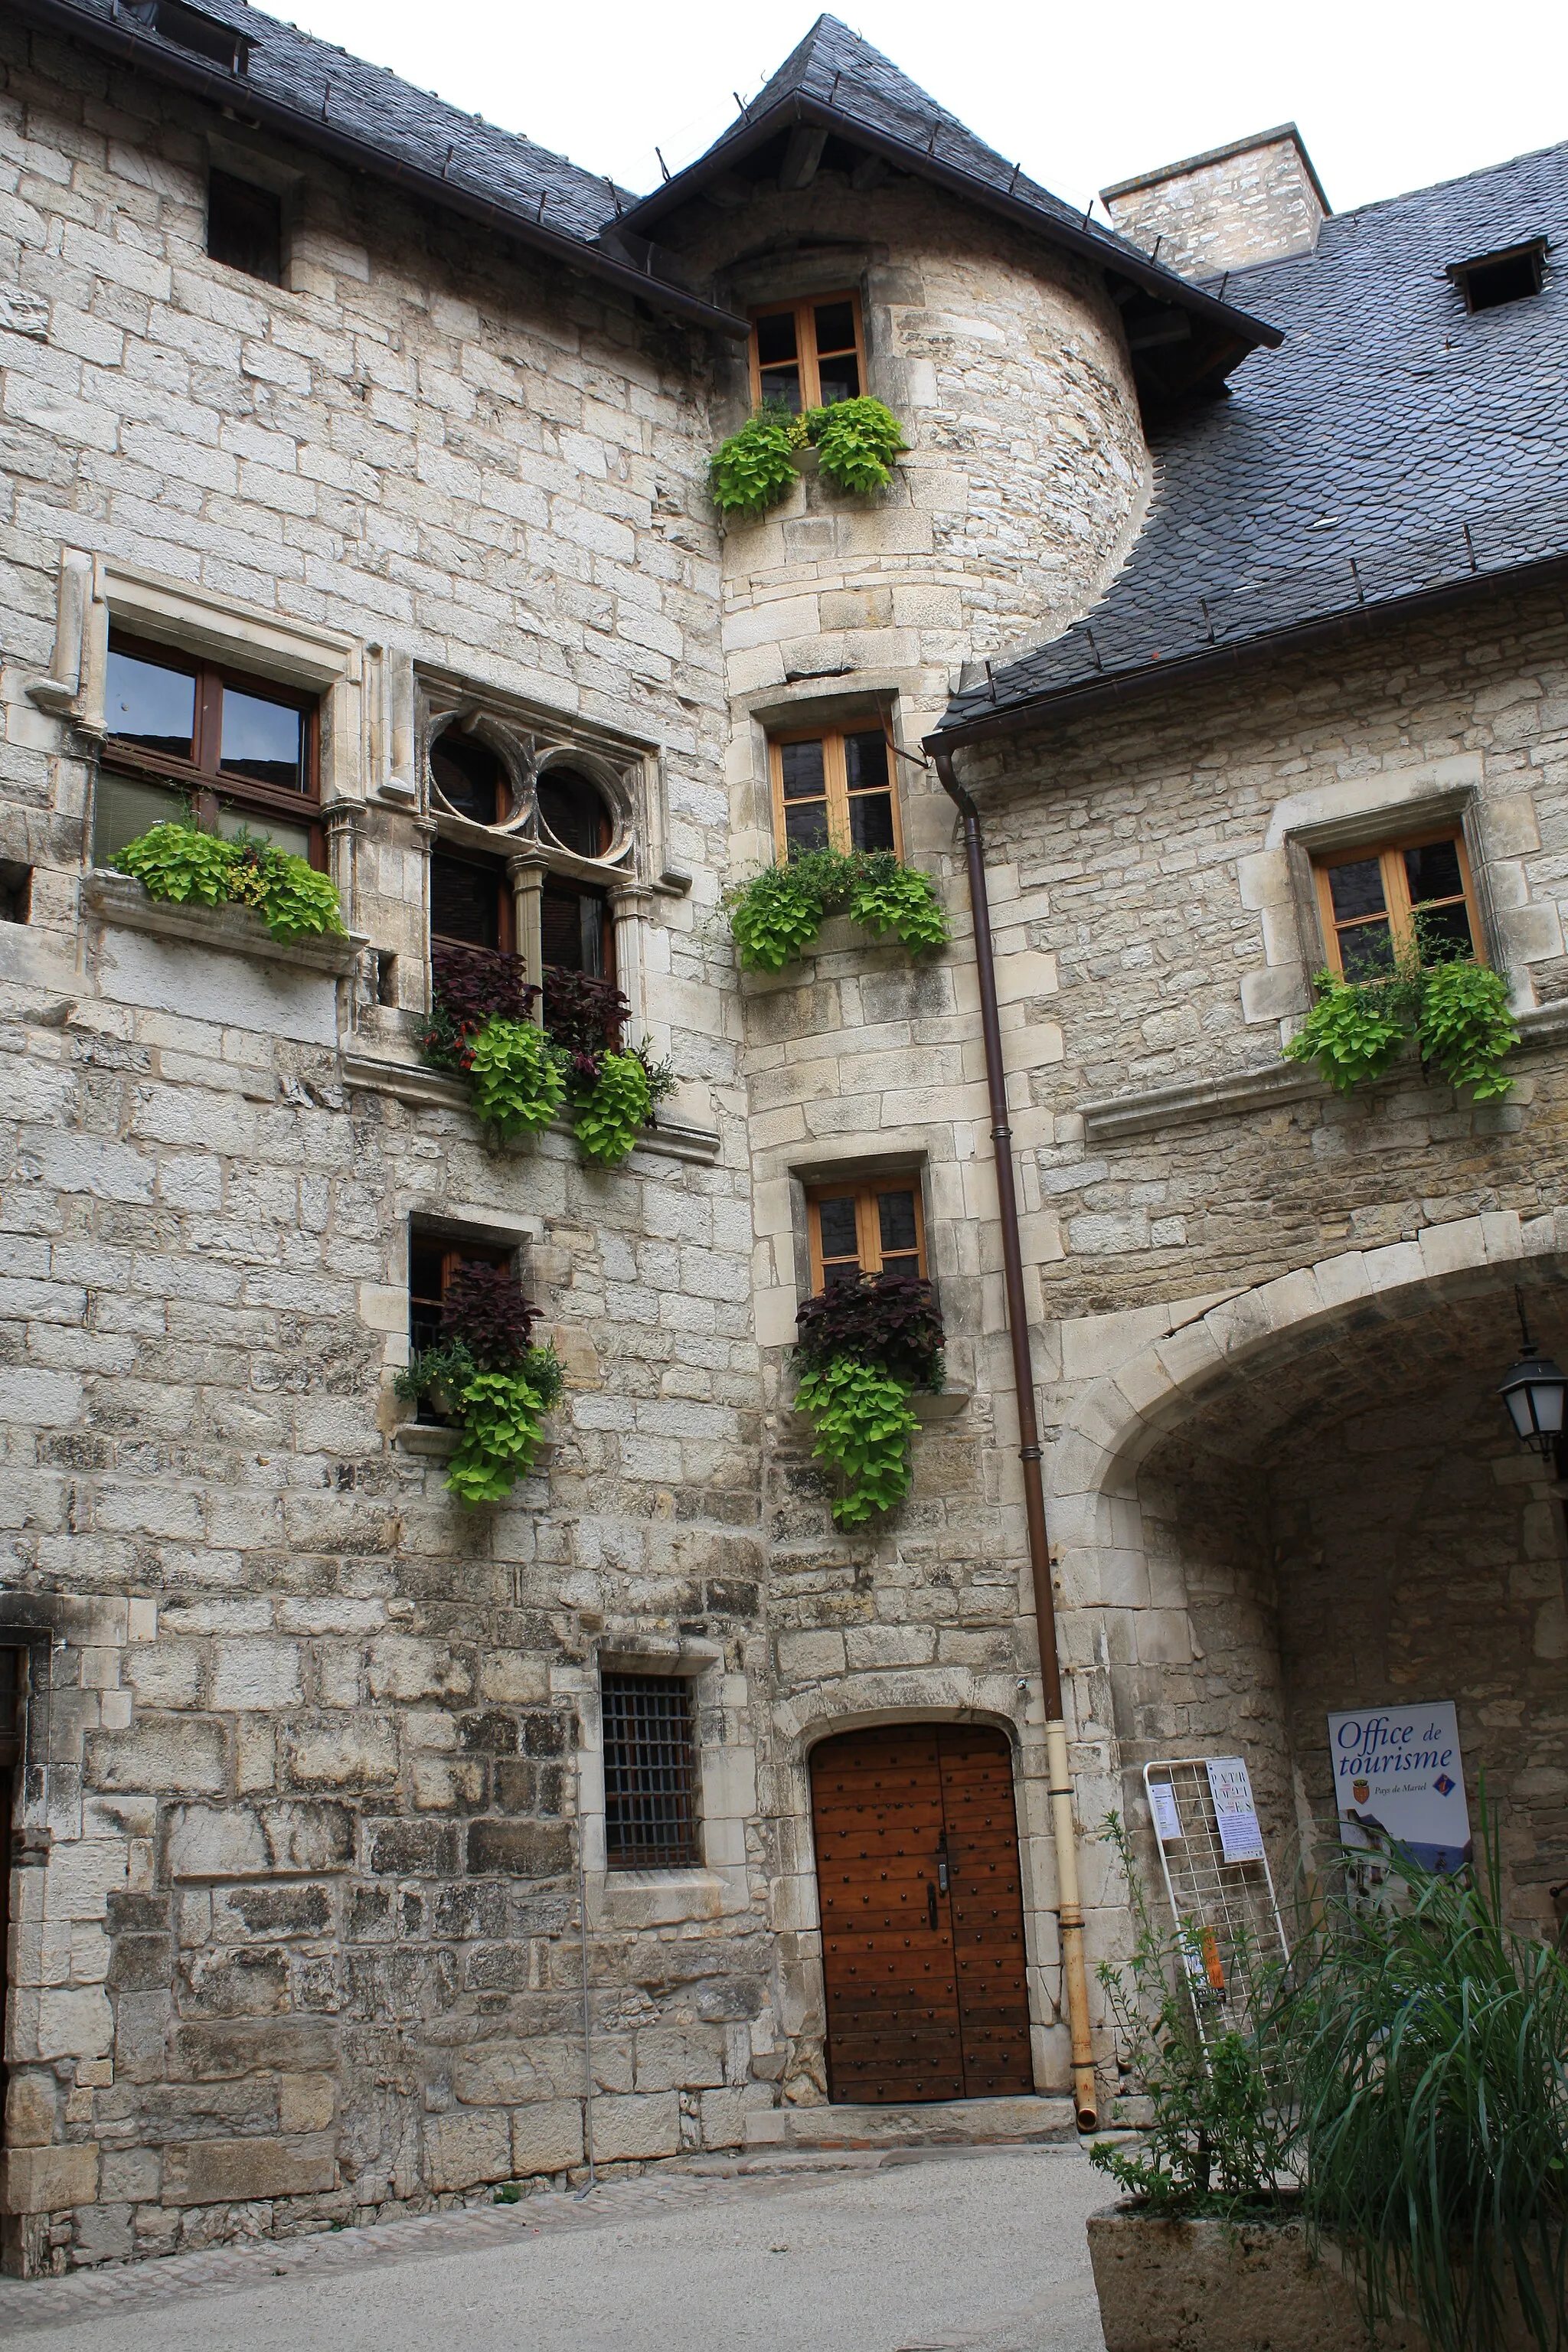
(116, 898)
(434, 1441)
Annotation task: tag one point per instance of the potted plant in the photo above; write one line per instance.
(776, 915)
(522, 1073)
(864, 1348)
(485, 1378)
(1375, 2149)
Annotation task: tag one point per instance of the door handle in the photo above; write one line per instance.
(931, 1905)
(942, 1872)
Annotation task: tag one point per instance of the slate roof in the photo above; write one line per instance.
(1341, 473)
(327, 100)
(834, 77)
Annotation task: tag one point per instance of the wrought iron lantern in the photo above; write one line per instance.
(1535, 1393)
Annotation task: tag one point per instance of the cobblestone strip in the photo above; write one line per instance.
(37, 2305)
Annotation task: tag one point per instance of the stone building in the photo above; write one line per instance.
(383, 434)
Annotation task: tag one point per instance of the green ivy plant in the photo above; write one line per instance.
(865, 1347)
(608, 1116)
(775, 916)
(1456, 1009)
(857, 441)
(523, 1073)
(182, 863)
(515, 1077)
(755, 469)
(486, 1377)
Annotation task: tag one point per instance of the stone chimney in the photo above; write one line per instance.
(1257, 200)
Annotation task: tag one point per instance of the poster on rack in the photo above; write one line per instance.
(1399, 1782)
(1236, 1814)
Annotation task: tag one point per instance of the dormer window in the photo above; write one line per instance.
(1491, 279)
(809, 354)
(189, 29)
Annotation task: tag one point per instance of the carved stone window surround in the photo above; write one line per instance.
(1277, 882)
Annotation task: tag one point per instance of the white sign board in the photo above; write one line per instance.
(1167, 1816)
(1399, 1782)
(1236, 1815)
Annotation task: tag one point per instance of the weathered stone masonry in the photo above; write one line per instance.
(312, 1818)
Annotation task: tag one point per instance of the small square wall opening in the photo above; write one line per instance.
(15, 892)
(245, 226)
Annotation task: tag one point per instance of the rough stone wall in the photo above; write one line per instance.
(1252, 202)
(299, 1924)
(1025, 480)
(1153, 882)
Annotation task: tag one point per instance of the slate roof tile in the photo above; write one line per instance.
(1394, 443)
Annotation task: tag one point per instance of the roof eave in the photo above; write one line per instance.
(1091, 245)
(240, 97)
(1157, 676)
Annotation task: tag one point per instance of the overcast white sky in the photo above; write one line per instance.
(1388, 94)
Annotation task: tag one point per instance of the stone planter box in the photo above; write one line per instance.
(1218, 2286)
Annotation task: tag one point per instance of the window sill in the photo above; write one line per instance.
(116, 898)
(629, 1899)
(431, 1440)
(929, 1410)
(416, 1083)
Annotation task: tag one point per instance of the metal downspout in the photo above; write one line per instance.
(1069, 1909)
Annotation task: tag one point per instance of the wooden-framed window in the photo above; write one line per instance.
(876, 1226)
(650, 1772)
(181, 730)
(809, 354)
(432, 1262)
(833, 788)
(1376, 902)
(471, 903)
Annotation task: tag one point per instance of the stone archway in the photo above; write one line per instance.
(1307, 1496)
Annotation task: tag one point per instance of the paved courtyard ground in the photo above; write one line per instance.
(980, 2250)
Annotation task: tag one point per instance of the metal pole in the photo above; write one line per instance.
(587, 2016)
(1069, 1909)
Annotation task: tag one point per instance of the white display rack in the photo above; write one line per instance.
(1224, 1910)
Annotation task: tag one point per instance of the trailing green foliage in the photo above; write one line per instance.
(1465, 1027)
(1427, 2048)
(502, 1424)
(1216, 2142)
(515, 1077)
(180, 862)
(1454, 1008)
(486, 1377)
(900, 899)
(863, 1423)
(755, 467)
(775, 916)
(865, 1346)
(857, 441)
(609, 1117)
(1355, 1031)
(521, 1075)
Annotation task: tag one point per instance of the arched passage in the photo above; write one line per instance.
(1309, 1498)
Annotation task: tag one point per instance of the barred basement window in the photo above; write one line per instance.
(650, 1772)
